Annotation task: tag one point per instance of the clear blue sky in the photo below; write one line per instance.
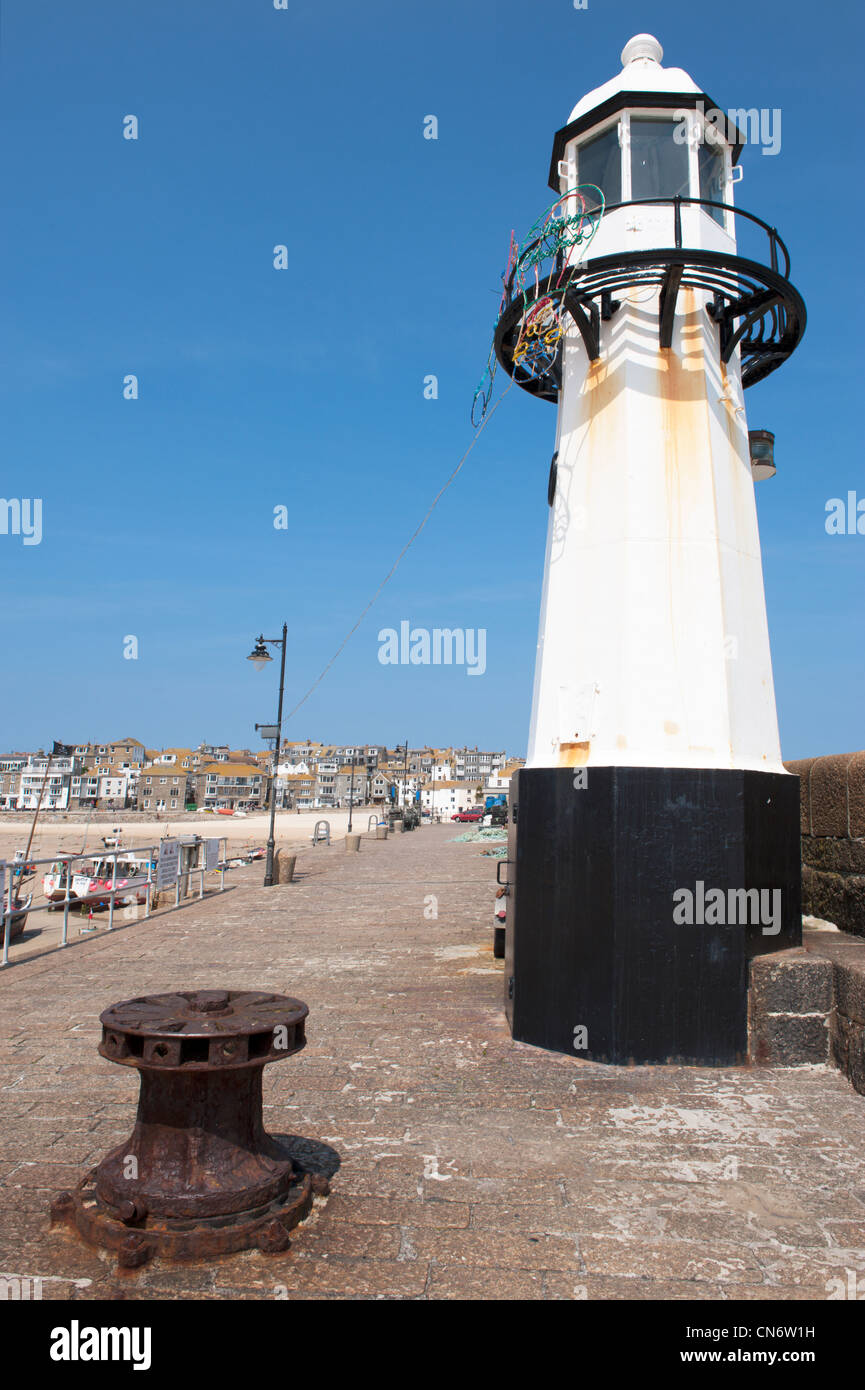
(305, 387)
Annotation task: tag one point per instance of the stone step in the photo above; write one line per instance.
(807, 1005)
(789, 1007)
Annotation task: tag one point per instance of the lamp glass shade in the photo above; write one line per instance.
(761, 444)
(259, 656)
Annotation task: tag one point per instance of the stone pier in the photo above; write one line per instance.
(463, 1164)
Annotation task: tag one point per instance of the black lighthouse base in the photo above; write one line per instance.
(637, 898)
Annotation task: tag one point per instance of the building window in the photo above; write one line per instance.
(711, 164)
(659, 164)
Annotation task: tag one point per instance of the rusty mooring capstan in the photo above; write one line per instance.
(199, 1174)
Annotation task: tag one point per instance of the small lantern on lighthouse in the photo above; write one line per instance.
(762, 448)
(654, 831)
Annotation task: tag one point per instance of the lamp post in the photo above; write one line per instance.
(260, 656)
(350, 794)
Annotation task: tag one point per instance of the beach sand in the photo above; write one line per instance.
(54, 833)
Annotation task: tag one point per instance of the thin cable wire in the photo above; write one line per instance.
(399, 557)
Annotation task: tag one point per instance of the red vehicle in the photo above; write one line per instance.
(468, 815)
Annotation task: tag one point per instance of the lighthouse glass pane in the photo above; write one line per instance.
(712, 179)
(599, 161)
(659, 163)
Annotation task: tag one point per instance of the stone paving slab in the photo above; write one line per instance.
(469, 1166)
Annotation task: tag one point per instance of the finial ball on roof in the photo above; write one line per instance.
(642, 48)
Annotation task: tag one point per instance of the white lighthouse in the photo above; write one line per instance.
(654, 763)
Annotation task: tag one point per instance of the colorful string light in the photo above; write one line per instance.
(551, 238)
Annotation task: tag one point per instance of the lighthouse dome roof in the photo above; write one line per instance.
(641, 72)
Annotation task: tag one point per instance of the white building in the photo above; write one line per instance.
(289, 768)
(54, 792)
(446, 798)
(114, 787)
(499, 779)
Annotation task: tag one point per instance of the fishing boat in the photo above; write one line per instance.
(19, 916)
(96, 877)
(54, 882)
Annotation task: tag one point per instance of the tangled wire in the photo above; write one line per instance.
(551, 239)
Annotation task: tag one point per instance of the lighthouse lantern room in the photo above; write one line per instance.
(654, 776)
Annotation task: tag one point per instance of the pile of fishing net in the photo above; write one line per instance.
(488, 832)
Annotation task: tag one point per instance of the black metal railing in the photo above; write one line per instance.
(776, 244)
(775, 241)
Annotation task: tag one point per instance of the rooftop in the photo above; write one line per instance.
(231, 769)
(641, 72)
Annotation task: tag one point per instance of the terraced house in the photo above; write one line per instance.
(162, 788)
(11, 765)
(124, 753)
(231, 786)
(296, 790)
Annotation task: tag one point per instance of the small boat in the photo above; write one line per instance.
(95, 877)
(19, 916)
(54, 882)
(129, 879)
(223, 811)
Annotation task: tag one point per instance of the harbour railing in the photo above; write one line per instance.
(163, 867)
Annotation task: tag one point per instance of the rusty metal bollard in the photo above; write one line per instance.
(199, 1174)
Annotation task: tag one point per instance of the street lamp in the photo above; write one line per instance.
(351, 794)
(405, 776)
(432, 814)
(260, 657)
